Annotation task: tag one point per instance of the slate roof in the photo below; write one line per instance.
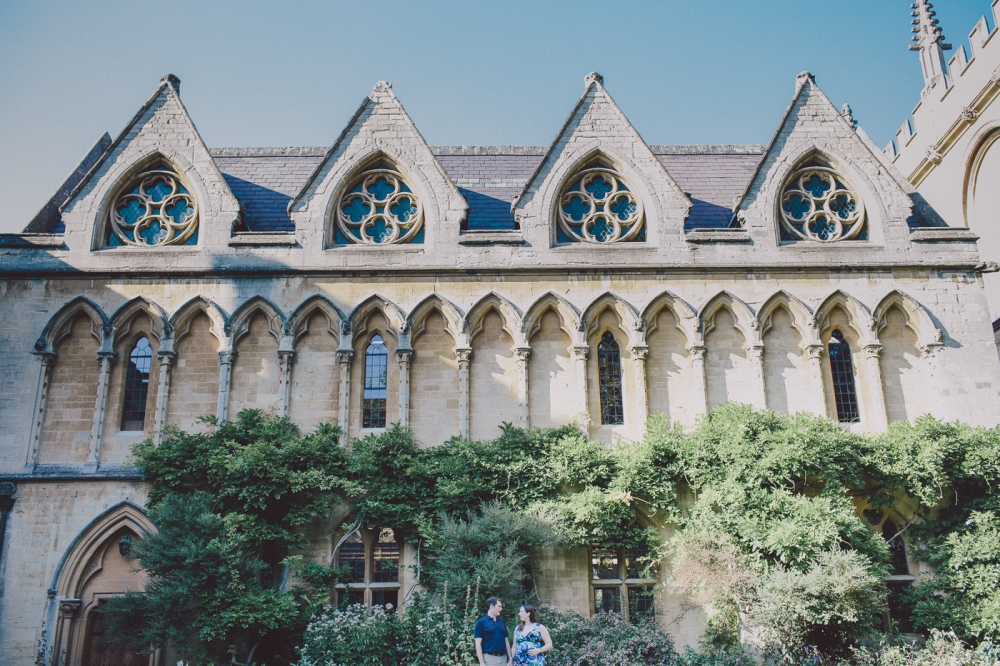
(489, 177)
(264, 180)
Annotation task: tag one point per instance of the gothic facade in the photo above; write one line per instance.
(595, 280)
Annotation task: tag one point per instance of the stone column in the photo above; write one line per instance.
(68, 609)
(166, 359)
(463, 355)
(226, 359)
(45, 362)
(105, 359)
(286, 359)
(757, 358)
(523, 354)
(7, 491)
(581, 353)
(344, 357)
(404, 356)
(698, 368)
(879, 418)
(641, 387)
(818, 401)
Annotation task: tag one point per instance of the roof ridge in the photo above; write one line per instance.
(537, 151)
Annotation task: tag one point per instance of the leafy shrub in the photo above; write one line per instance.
(438, 632)
(605, 639)
(354, 636)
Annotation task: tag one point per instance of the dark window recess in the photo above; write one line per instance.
(607, 600)
(844, 392)
(897, 549)
(640, 604)
(387, 598)
(609, 377)
(900, 607)
(137, 386)
(376, 382)
(352, 555)
(635, 564)
(604, 563)
(356, 597)
(386, 559)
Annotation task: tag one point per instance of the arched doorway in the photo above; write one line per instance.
(95, 569)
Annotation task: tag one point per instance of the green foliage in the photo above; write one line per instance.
(436, 631)
(605, 640)
(228, 506)
(490, 549)
(355, 636)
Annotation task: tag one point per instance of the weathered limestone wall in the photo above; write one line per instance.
(315, 365)
(493, 379)
(195, 377)
(551, 375)
(434, 383)
(255, 370)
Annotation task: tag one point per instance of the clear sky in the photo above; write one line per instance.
(473, 72)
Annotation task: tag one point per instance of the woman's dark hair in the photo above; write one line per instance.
(530, 610)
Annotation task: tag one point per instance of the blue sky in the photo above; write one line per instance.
(259, 73)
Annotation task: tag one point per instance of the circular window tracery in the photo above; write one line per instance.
(598, 207)
(378, 208)
(818, 205)
(154, 209)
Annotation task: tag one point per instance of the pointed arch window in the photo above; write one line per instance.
(597, 206)
(379, 208)
(154, 208)
(376, 384)
(372, 560)
(609, 377)
(137, 386)
(817, 204)
(842, 369)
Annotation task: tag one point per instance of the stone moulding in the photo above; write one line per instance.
(943, 235)
(717, 236)
(263, 238)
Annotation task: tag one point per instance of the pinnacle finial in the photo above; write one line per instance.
(172, 81)
(801, 79)
(849, 115)
(929, 41)
(382, 87)
(593, 77)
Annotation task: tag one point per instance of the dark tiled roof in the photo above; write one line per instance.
(489, 177)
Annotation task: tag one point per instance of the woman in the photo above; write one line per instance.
(531, 640)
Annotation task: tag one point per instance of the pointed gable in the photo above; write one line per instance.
(161, 132)
(812, 130)
(380, 133)
(597, 129)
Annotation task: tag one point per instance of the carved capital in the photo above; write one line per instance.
(641, 352)
(873, 350)
(166, 358)
(345, 355)
(105, 357)
(697, 352)
(756, 352)
(285, 359)
(404, 355)
(463, 355)
(68, 608)
(814, 351)
(581, 352)
(227, 357)
(46, 358)
(523, 354)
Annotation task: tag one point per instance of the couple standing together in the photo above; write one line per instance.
(531, 640)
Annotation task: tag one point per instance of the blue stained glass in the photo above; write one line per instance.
(115, 242)
(577, 208)
(622, 207)
(153, 233)
(159, 190)
(816, 186)
(381, 189)
(131, 211)
(601, 230)
(403, 210)
(356, 210)
(823, 227)
(378, 231)
(842, 205)
(797, 206)
(600, 187)
(179, 211)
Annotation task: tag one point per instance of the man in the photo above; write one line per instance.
(492, 639)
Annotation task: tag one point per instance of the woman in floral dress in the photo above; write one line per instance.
(531, 640)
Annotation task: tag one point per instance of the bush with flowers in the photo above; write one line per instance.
(353, 636)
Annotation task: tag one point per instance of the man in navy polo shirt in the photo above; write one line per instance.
(492, 642)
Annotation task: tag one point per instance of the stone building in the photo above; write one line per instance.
(596, 280)
(949, 149)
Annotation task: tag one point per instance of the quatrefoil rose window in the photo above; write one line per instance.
(598, 207)
(153, 210)
(817, 205)
(379, 209)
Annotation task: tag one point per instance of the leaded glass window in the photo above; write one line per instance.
(379, 208)
(640, 604)
(604, 563)
(607, 600)
(609, 378)
(155, 208)
(376, 384)
(386, 558)
(818, 205)
(137, 386)
(897, 549)
(844, 391)
(352, 556)
(597, 206)
(620, 575)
